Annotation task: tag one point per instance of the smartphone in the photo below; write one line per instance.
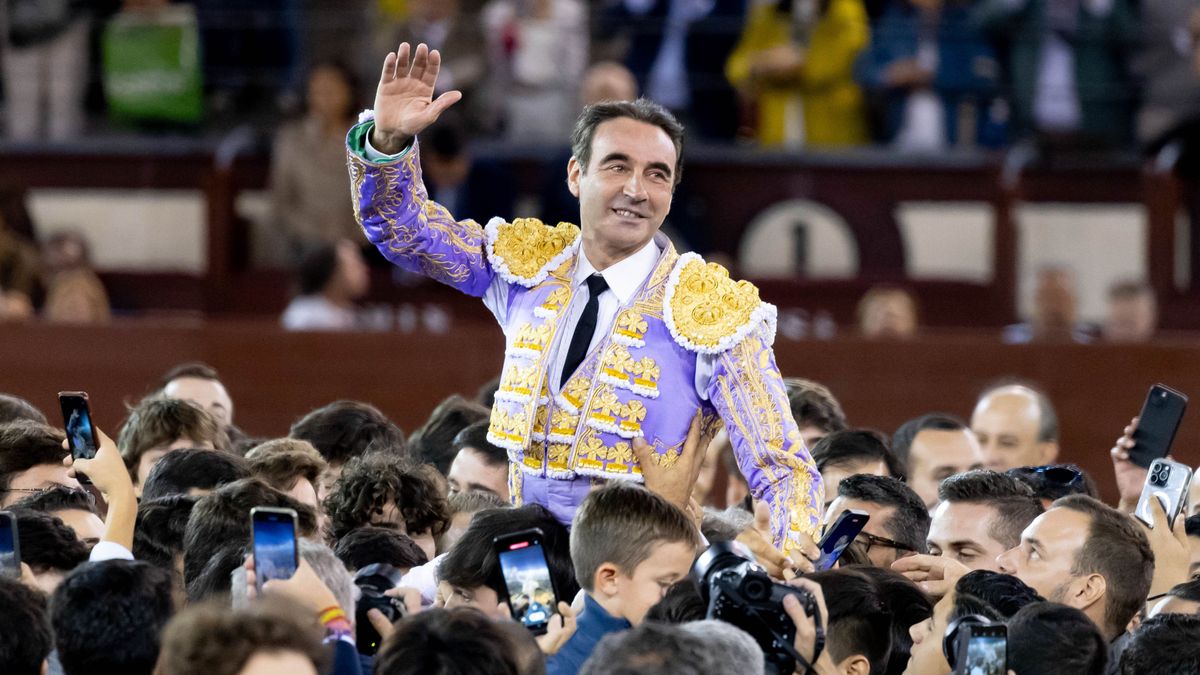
(527, 584)
(77, 420)
(1157, 424)
(983, 650)
(10, 546)
(838, 536)
(273, 540)
(1168, 482)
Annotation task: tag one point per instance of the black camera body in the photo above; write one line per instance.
(372, 581)
(738, 591)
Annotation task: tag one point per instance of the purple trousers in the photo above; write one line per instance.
(560, 496)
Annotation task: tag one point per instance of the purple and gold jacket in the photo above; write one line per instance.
(637, 382)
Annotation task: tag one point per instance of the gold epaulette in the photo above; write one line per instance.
(525, 250)
(708, 312)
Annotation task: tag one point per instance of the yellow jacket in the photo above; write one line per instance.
(831, 100)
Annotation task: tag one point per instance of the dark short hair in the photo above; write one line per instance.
(457, 641)
(1167, 643)
(474, 501)
(1014, 502)
(1047, 415)
(25, 637)
(1048, 489)
(345, 429)
(813, 405)
(906, 604)
(194, 369)
(161, 525)
(316, 268)
(59, 499)
(1006, 593)
(855, 445)
(182, 470)
(909, 525)
(367, 483)
(108, 617)
(475, 438)
(1192, 525)
(1046, 638)
(472, 561)
(157, 421)
(641, 110)
(681, 603)
(24, 445)
(47, 543)
(486, 396)
(13, 408)
(656, 648)
(368, 545)
(858, 620)
(1188, 590)
(903, 439)
(1117, 549)
(433, 443)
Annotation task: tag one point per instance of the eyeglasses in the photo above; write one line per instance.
(870, 540)
(1056, 475)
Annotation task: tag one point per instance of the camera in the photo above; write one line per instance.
(372, 581)
(738, 591)
(1161, 474)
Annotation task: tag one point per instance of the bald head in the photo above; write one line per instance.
(1016, 426)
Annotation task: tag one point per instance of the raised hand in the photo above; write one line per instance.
(404, 103)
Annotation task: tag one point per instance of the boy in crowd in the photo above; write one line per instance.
(158, 426)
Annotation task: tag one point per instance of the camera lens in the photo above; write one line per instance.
(756, 589)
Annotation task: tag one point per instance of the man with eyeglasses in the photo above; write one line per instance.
(31, 461)
(899, 522)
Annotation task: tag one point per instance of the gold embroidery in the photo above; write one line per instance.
(707, 307)
(526, 245)
(559, 453)
(539, 420)
(605, 407)
(563, 423)
(557, 298)
(516, 479)
(519, 381)
(534, 455)
(616, 361)
(631, 328)
(534, 338)
(634, 413)
(576, 391)
(667, 459)
(645, 373)
(620, 456)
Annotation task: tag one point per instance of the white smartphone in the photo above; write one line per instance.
(1168, 482)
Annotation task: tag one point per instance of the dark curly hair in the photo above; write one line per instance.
(368, 483)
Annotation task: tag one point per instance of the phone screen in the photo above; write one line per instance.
(839, 536)
(527, 579)
(274, 535)
(1157, 424)
(10, 556)
(987, 651)
(77, 419)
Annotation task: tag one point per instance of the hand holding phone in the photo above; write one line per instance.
(527, 584)
(10, 546)
(1168, 482)
(838, 536)
(77, 420)
(273, 540)
(1157, 424)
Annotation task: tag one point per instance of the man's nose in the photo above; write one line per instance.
(634, 188)
(1005, 561)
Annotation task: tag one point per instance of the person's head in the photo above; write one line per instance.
(1181, 599)
(31, 460)
(1016, 426)
(324, 563)
(899, 523)
(627, 158)
(434, 443)
(271, 636)
(13, 408)
(159, 533)
(445, 158)
(477, 464)
(463, 507)
(853, 451)
(193, 471)
(1088, 555)
(108, 617)
(1168, 643)
(457, 641)
(629, 545)
(887, 312)
(1192, 524)
(697, 648)
(1132, 313)
(1046, 638)
(25, 637)
(345, 429)
(76, 508)
(333, 92)
(291, 466)
(981, 515)
(370, 545)
(1056, 481)
(932, 448)
(906, 604)
(200, 384)
(816, 411)
(858, 625)
(220, 521)
(471, 572)
(159, 425)
(681, 604)
(390, 492)
(928, 636)
(48, 546)
(335, 270)
(1002, 592)
(1054, 301)
(607, 81)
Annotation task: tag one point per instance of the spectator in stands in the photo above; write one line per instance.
(45, 70)
(1055, 310)
(1181, 599)
(853, 451)
(538, 50)
(1046, 638)
(18, 256)
(1016, 426)
(935, 75)
(1132, 313)
(331, 278)
(13, 408)
(1170, 97)
(1087, 555)
(478, 465)
(888, 313)
(696, 648)
(899, 524)
(1067, 66)
(1056, 481)
(391, 492)
(816, 411)
(74, 292)
(794, 66)
(607, 81)
(463, 507)
(1165, 644)
(628, 546)
(433, 443)
(25, 635)
(906, 605)
(200, 384)
(49, 547)
(291, 466)
(31, 460)
(858, 624)
(981, 515)
(159, 425)
(468, 186)
(76, 508)
(273, 636)
(933, 447)
(108, 617)
(369, 545)
(458, 641)
(193, 471)
(346, 429)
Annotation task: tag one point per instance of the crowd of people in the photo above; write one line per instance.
(138, 560)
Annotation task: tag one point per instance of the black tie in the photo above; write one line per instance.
(586, 327)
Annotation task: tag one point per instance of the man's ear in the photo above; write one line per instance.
(855, 664)
(605, 582)
(1049, 452)
(1087, 591)
(574, 172)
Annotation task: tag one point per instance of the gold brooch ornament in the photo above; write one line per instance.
(525, 251)
(708, 312)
